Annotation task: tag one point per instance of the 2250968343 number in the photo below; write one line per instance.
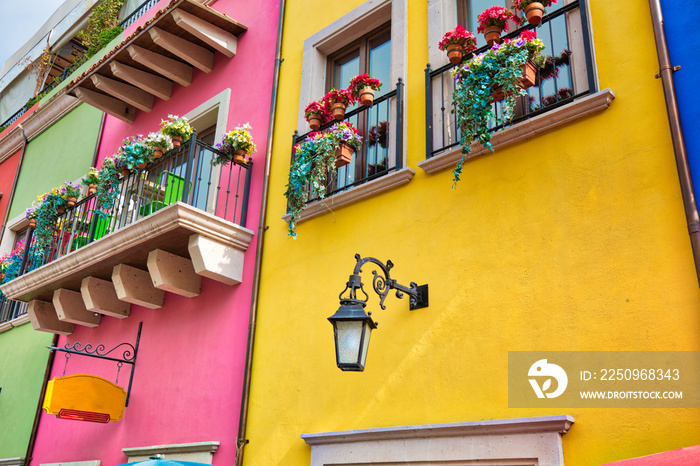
(639, 374)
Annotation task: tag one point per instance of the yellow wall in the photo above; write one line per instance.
(574, 240)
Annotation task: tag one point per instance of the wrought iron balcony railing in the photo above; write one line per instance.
(381, 129)
(567, 75)
(11, 309)
(187, 174)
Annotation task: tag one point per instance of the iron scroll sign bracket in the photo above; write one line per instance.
(418, 295)
(128, 354)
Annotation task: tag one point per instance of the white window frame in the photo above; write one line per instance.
(516, 442)
(197, 452)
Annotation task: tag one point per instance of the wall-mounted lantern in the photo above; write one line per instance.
(352, 326)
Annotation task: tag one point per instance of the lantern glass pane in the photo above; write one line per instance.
(349, 334)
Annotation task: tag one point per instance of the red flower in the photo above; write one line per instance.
(496, 16)
(458, 36)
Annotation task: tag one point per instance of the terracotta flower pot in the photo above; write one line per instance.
(534, 12)
(338, 110)
(125, 172)
(60, 209)
(157, 152)
(343, 155)
(2, 276)
(492, 34)
(141, 166)
(32, 223)
(92, 189)
(239, 157)
(314, 121)
(71, 201)
(177, 141)
(367, 96)
(527, 80)
(455, 52)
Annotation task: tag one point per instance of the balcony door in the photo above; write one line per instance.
(369, 54)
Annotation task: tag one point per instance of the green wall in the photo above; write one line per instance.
(23, 357)
(62, 153)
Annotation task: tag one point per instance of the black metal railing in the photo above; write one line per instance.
(381, 129)
(187, 174)
(137, 13)
(11, 309)
(567, 75)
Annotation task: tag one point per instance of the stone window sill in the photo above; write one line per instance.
(372, 188)
(524, 130)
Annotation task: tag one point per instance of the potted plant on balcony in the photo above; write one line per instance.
(235, 146)
(135, 153)
(457, 43)
(90, 180)
(493, 21)
(307, 175)
(317, 114)
(338, 100)
(107, 191)
(31, 214)
(178, 128)
(343, 139)
(501, 65)
(69, 194)
(533, 9)
(159, 143)
(363, 87)
(49, 205)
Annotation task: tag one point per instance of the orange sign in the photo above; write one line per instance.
(85, 397)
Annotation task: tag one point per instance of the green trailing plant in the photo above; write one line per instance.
(101, 24)
(46, 217)
(314, 159)
(107, 191)
(475, 81)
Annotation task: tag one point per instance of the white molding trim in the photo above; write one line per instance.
(36, 123)
(201, 452)
(74, 463)
(373, 188)
(528, 129)
(524, 441)
(12, 461)
(4, 327)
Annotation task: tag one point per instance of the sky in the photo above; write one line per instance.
(20, 20)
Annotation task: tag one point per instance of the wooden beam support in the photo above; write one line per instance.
(71, 308)
(171, 69)
(107, 104)
(221, 40)
(122, 91)
(173, 273)
(215, 260)
(100, 296)
(43, 317)
(192, 53)
(134, 286)
(151, 83)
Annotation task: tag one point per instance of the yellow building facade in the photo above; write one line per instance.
(571, 236)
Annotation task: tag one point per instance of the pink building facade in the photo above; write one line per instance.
(188, 379)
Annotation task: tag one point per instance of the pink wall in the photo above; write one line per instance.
(189, 373)
(8, 168)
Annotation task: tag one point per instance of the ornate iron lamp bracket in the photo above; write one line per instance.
(128, 355)
(382, 284)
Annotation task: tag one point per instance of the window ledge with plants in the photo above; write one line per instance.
(519, 132)
(166, 210)
(347, 156)
(535, 79)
